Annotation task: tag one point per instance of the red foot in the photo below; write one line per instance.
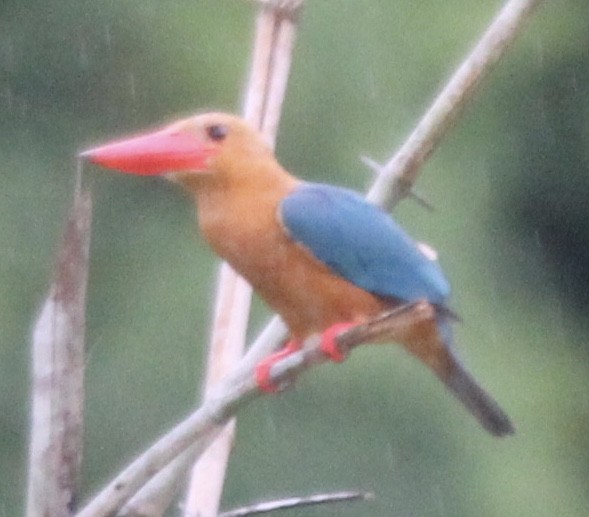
(328, 341)
(263, 380)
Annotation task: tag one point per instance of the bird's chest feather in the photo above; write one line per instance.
(308, 295)
(245, 233)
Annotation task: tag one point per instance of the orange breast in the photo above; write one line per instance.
(308, 296)
(244, 230)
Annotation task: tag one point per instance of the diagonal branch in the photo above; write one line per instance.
(272, 55)
(397, 177)
(235, 392)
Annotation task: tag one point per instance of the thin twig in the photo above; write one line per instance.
(58, 373)
(297, 502)
(396, 178)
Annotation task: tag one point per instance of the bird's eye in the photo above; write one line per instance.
(217, 132)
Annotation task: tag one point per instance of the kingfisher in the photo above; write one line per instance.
(320, 255)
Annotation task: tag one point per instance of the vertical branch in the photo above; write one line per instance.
(273, 47)
(271, 59)
(55, 453)
(225, 351)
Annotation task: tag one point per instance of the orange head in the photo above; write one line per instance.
(213, 148)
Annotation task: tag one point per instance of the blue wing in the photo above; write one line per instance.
(361, 243)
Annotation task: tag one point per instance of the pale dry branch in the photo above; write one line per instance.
(148, 501)
(225, 351)
(273, 46)
(55, 452)
(236, 391)
(397, 177)
(298, 502)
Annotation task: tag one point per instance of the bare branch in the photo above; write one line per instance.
(58, 374)
(275, 36)
(163, 486)
(297, 502)
(236, 391)
(226, 349)
(396, 178)
(147, 502)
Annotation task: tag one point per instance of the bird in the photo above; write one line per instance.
(320, 255)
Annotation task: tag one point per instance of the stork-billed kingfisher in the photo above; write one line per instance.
(321, 256)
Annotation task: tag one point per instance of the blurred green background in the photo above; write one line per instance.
(511, 226)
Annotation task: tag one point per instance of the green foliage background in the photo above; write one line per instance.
(511, 226)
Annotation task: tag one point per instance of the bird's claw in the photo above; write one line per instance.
(329, 347)
(263, 377)
(329, 344)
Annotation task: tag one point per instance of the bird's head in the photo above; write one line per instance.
(210, 147)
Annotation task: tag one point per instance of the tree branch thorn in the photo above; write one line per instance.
(378, 169)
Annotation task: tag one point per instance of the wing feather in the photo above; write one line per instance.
(361, 243)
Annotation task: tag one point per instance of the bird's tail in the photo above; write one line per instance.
(466, 389)
(437, 352)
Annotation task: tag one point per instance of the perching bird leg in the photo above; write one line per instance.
(329, 346)
(263, 377)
